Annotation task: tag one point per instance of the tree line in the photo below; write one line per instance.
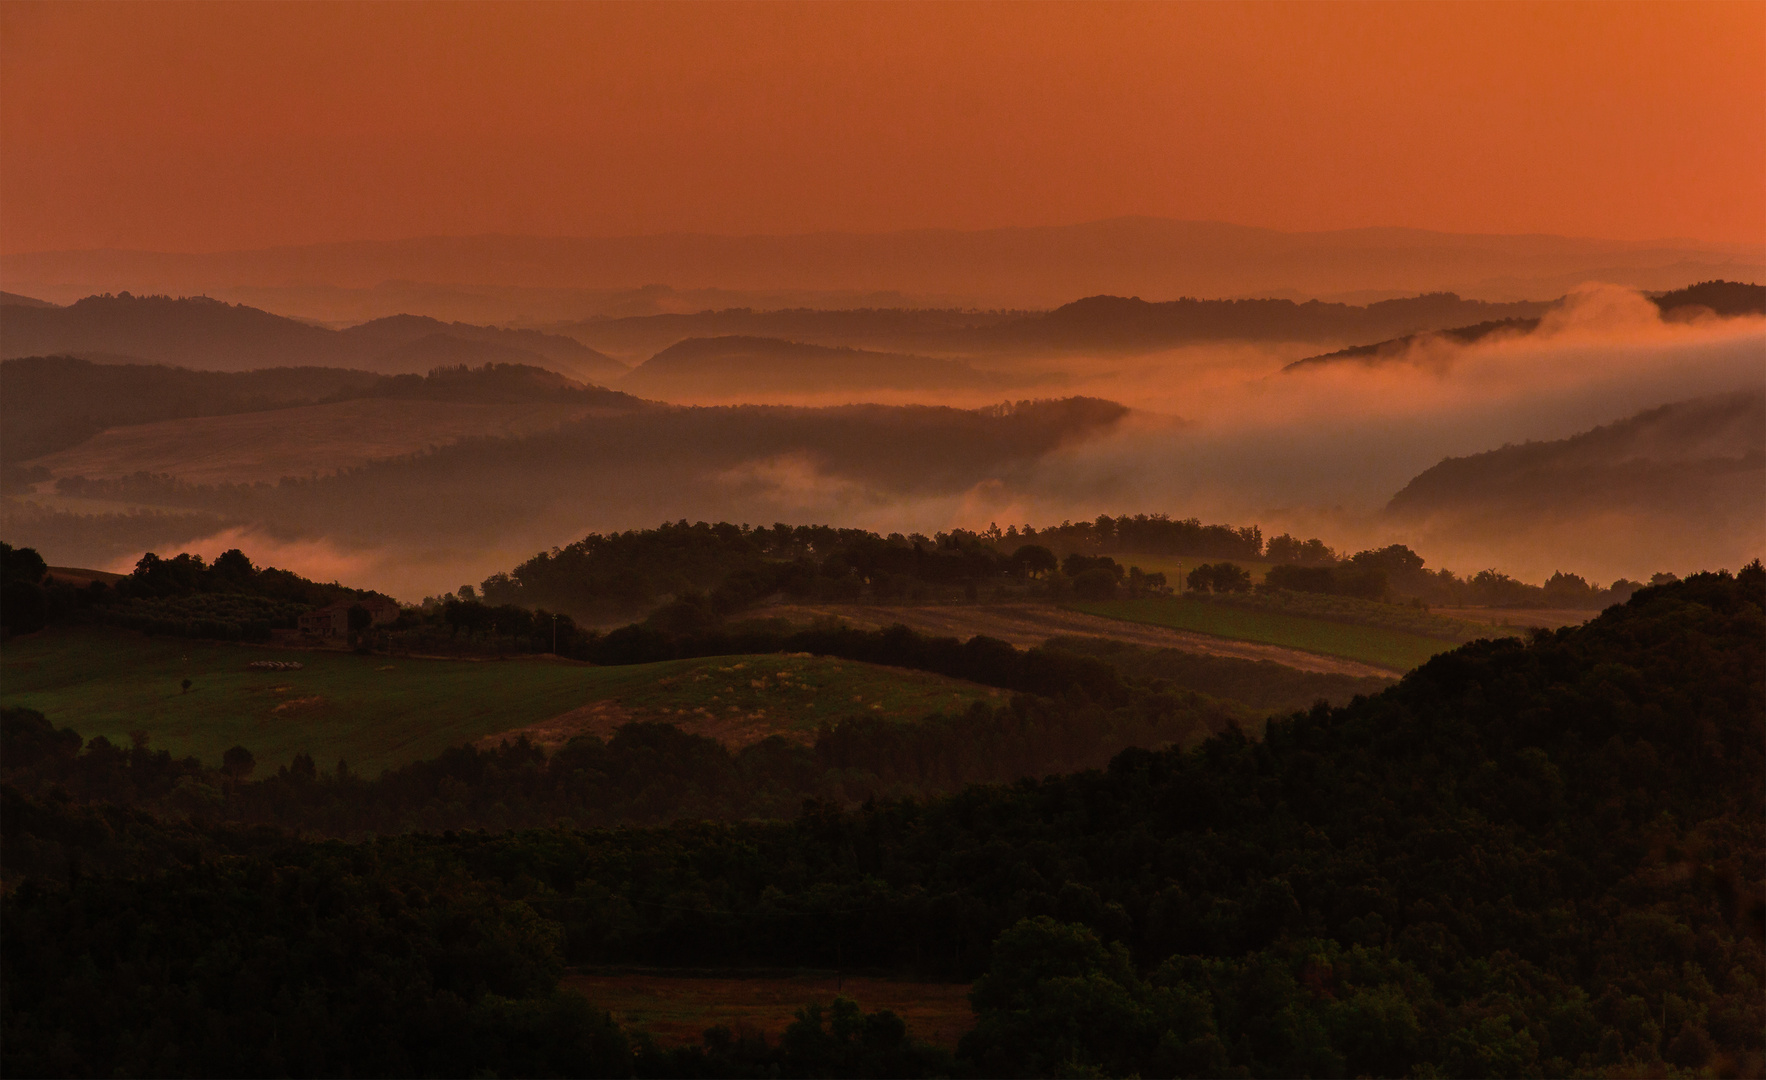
(1396, 573)
(229, 599)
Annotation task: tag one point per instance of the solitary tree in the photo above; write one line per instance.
(238, 763)
(1098, 583)
(360, 619)
(1219, 577)
(1033, 560)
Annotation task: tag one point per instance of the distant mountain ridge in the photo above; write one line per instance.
(807, 351)
(210, 334)
(1023, 267)
(1091, 324)
(1395, 348)
(15, 300)
(927, 331)
(1118, 323)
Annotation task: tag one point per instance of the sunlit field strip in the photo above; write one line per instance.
(1373, 645)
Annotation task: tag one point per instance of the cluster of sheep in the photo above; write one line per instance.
(275, 665)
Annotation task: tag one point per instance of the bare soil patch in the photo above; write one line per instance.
(677, 1009)
(739, 701)
(299, 704)
(599, 718)
(1033, 624)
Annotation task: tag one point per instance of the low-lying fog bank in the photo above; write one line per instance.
(1222, 433)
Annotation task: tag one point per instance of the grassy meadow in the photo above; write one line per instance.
(1396, 650)
(377, 712)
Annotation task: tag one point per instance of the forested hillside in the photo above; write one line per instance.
(51, 402)
(531, 488)
(1698, 455)
(199, 332)
(1130, 323)
(1527, 858)
(48, 403)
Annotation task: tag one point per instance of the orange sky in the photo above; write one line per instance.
(212, 127)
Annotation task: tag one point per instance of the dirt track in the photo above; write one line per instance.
(1032, 624)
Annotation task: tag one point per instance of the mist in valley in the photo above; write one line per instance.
(790, 539)
(1319, 450)
(1226, 432)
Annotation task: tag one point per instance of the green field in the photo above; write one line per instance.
(1403, 618)
(1177, 567)
(1392, 649)
(377, 712)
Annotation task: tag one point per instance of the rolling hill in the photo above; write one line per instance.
(476, 502)
(756, 368)
(54, 403)
(48, 403)
(1668, 454)
(1092, 324)
(924, 331)
(1725, 299)
(8, 299)
(1115, 323)
(1684, 483)
(199, 332)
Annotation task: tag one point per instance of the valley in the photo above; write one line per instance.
(802, 540)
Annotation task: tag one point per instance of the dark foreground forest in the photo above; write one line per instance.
(1529, 858)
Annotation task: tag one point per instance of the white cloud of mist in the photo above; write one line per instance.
(1319, 450)
(1226, 435)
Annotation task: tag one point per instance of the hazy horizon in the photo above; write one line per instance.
(535, 278)
(1219, 431)
(574, 189)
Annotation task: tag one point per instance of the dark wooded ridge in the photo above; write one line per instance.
(1526, 858)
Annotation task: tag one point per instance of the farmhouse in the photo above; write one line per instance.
(334, 619)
